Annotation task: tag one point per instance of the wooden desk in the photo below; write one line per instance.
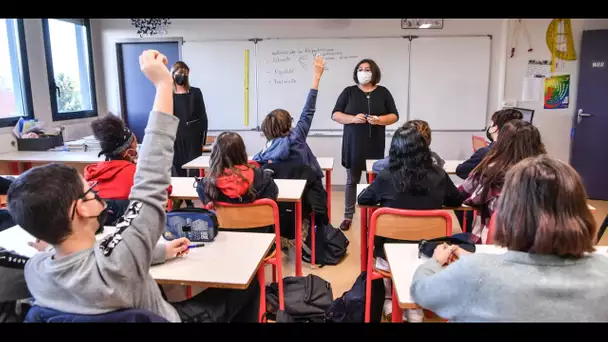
(47, 157)
(230, 261)
(326, 163)
(403, 261)
(290, 190)
(449, 167)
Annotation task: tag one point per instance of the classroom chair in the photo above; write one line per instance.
(260, 213)
(402, 225)
(478, 142)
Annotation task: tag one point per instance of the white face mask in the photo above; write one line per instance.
(364, 77)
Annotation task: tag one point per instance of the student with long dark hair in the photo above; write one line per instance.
(518, 140)
(231, 177)
(411, 181)
(548, 272)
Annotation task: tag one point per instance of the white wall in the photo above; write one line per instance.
(506, 74)
(40, 85)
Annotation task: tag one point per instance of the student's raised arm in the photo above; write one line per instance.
(138, 231)
(303, 126)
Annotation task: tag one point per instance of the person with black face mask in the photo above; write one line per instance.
(189, 107)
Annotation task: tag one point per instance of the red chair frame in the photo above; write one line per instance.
(397, 314)
(275, 261)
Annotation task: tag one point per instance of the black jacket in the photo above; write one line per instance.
(442, 192)
(467, 166)
(314, 198)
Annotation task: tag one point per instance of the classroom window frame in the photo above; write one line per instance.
(48, 52)
(20, 71)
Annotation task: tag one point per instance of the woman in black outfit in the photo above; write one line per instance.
(189, 107)
(364, 109)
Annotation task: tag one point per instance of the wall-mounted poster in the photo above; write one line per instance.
(557, 92)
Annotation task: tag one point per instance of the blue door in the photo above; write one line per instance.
(589, 138)
(137, 92)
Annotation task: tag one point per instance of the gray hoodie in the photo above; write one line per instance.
(115, 273)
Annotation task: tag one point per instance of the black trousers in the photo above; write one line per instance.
(460, 215)
(222, 306)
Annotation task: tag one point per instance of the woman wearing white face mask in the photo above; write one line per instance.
(364, 109)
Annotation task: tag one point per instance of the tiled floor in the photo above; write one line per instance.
(342, 276)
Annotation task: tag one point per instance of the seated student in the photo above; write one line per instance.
(287, 144)
(85, 277)
(498, 120)
(231, 178)
(425, 130)
(114, 176)
(411, 181)
(546, 273)
(6, 221)
(518, 140)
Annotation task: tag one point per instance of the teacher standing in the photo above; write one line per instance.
(189, 107)
(365, 109)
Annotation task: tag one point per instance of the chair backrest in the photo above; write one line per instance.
(210, 139)
(38, 314)
(491, 228)
(478, 142)
(260, 213)
(403, 224)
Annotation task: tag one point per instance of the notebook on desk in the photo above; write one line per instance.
(15, 239)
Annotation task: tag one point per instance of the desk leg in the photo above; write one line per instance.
(328, 189)
(371, 177)
(363, 239)
(202, 172)
(298, 239)
(464, 221)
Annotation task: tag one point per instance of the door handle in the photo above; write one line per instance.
(580, 115)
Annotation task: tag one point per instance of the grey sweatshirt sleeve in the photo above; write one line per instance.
(445, 291)
(129, 253)
(159, 254)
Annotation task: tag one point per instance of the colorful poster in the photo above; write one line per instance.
(557, 92)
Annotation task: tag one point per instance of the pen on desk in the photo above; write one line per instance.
(196, 246)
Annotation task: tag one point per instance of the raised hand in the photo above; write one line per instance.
(319, 66)
(154, 65)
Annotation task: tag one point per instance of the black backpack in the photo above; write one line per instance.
(306, 300)
(350, 308)
(331, 246)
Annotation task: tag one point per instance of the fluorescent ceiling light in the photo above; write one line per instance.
(425, 26)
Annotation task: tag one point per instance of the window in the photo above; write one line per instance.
(15, 91)
(69, 63)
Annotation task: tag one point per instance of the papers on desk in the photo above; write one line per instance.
(15, 239)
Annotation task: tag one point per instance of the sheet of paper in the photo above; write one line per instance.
(538, 68)
(15, 239)
(532, 89)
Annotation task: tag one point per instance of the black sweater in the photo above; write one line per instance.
(442, 192)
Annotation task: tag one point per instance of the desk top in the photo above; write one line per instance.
(231, 261)
(290, 190)
(449, 166)
(202, 162)
(403, 261)
(52, 157)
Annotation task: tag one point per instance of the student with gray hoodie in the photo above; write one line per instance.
(84, 277)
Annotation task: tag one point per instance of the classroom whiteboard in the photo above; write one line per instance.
(285, 72)
(227, 81)
(449, 81)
